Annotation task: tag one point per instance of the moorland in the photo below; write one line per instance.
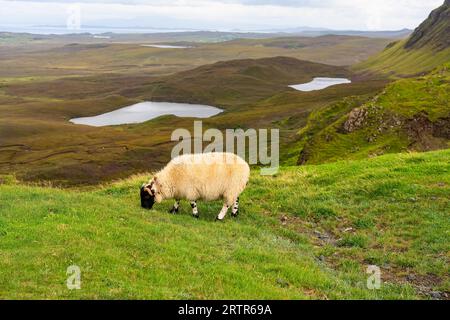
(47, 80)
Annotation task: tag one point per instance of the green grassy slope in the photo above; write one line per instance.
(410, 114)
(397, 61)
(311, 238)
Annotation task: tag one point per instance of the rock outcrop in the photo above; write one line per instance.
(355, 120)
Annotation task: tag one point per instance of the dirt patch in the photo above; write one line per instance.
(426, 135)
(423, 284)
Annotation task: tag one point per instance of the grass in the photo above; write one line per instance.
(429, 94)
(312, 238)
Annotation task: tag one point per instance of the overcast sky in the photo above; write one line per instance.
(224, 14)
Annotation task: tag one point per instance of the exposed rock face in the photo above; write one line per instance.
(434, 32)
(355, 120)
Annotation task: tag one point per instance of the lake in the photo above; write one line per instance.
(163, 46)
(145, 111)
(320, 84)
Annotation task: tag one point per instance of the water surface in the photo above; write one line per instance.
(163, 46)
(145, 111)
(320, 84)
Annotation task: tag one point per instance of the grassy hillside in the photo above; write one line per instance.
(427, 48)
(410, 114)
(396, 61)
(308, 233)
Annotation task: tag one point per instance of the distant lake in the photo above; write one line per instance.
(145, 111)
(101, 37)
(320, 84)
(163, 46)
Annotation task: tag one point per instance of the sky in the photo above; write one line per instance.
(220, 14)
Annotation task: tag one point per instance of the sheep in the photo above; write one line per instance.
(193, 177)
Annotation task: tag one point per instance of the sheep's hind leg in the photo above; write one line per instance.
(175, 208)
(194, 209)
(223, 212)
(235, 210)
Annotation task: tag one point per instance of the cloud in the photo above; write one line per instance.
(282, 3)
(291, 3)
(225, 14)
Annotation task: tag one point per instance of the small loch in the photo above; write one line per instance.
(145, 111)
(320, 84)
(163, 46)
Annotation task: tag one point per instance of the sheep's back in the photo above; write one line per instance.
(209, 176)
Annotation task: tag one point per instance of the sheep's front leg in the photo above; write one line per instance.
(223, 212)
(194, 209)
(235, 210)
(175, 208)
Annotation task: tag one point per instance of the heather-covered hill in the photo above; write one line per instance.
(236, 82)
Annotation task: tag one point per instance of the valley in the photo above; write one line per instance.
(39, 144)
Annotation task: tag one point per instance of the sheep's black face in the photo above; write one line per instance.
(147, 199)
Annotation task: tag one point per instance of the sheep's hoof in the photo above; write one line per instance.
(235, 215)
(196, 216)
(219, 220)
(173, 211)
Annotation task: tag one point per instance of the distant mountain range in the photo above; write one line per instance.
(300, 31)
(315, 32)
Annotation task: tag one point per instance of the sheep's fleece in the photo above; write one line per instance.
(208, 177)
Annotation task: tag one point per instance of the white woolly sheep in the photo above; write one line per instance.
(208, 177)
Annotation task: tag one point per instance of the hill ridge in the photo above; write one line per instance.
(426, 49)
(237, 82)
